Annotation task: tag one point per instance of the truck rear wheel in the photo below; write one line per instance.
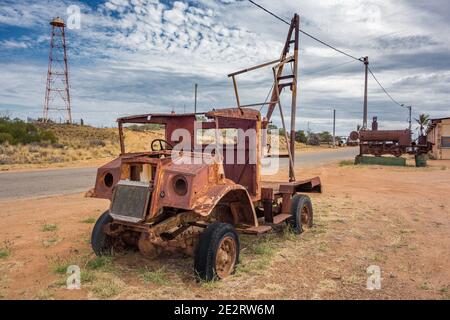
(101, 242)
(302, 213)
(217, 252)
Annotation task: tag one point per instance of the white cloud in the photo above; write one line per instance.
(12, 44)
(131, 47)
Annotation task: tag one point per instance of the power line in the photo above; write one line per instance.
(306, 33)
(329, 68)
(269, 12)
(331, 47)
(385, 91)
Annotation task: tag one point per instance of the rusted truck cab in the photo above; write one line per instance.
(191, 199)
(198, 194)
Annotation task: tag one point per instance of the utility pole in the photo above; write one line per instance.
(366, 67)
(334, 128)
(195, 99)
(409, 115)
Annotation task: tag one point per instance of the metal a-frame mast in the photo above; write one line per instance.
(282, 79)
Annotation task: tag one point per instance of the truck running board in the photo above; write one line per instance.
(279, 218)
(255, 230)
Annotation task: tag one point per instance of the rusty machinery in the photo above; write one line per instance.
(392, 142)
(193, 201)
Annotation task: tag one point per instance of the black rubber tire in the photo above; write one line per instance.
(205, 253)
(297, 203)
(101, 243)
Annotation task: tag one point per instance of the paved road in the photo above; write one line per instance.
(46, 182)
(320, 158)
(66, 181)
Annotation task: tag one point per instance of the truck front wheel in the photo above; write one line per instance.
(302, 213)
(101, 242)
(217, 252)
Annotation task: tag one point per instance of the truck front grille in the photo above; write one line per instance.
(130, 201)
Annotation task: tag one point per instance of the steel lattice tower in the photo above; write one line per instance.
(57, 95)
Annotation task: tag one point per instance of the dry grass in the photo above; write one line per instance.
(89, 220)
(44, 295)
(48, 227)
(75, 143)
(107, 287)
(85, 144)
(5, 251)
(103, 263)
(59, 265)
(158, 276)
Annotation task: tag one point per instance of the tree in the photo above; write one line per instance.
(325, 137)
(300, 136)
(423, 122)
(314, 139)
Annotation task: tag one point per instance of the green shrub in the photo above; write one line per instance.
(97, 143)
(48, 136)
(6, 137)
(146, 127)
(16, 131)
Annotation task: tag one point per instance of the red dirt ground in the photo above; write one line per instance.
(395, 218)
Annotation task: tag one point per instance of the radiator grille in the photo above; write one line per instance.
(130, 201)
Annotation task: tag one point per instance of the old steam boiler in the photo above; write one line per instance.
(389, 142)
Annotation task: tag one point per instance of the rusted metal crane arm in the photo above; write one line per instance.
(259, 66)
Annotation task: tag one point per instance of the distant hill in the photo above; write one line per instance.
(73, 143)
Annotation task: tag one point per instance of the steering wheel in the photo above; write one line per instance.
(169, 146)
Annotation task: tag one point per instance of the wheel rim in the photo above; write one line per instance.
(305, 216)
(225, 257)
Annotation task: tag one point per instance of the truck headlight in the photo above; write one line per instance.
(108, 179)
(180, 185)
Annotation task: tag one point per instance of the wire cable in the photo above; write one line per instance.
(334, 48)
(306, 33)
(269, 12)
(385, 91)
(330, 46)
(267, 98)
(329, 68)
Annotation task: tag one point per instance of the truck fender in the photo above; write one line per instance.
(232, 195)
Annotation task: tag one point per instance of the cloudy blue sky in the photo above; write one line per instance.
(144, 56)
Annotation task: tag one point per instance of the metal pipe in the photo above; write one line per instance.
(280, 70)
(195, 99)
(236, 92)
(334, 127)
(253, 68)
(291, 163)
(122, 145)
(296, 21)
(283, 62)
(258, 104)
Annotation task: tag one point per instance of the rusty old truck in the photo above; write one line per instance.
(167, 199)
